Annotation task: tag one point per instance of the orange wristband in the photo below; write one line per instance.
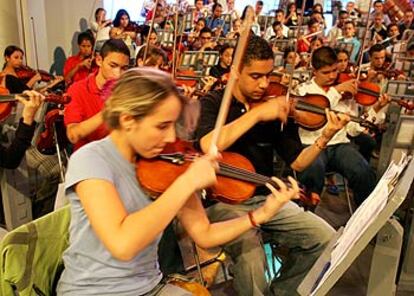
(252, 221)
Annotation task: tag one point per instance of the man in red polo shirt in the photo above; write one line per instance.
(83, 118)
(79, 66)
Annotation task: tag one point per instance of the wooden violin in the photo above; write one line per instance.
(26, 73)
(309, 111)
(236, 178)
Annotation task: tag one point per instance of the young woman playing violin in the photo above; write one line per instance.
(18, 78)
(115, 225)
(13, 57)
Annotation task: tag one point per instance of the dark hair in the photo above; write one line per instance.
(114, 45)
(290, 6)
(153, 54)
(376, 48)
(224, 47)
(343, 12)
(244, 13)
(202, 19)
(97, 11)
(377, 1)
(9, 51)
(85, 36)
(323, 56)
(215, 6)
(276, 23)
(205, 30)
(342, 50)
(259, 2)
(317, 5)
(258, 49)
(279, 10)
(410, 46)
(312, 22)
(118, 16)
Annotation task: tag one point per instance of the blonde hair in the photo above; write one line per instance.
(137, 92)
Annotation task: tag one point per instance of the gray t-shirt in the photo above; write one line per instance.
(90, 269)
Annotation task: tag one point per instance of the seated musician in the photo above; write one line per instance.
(120, 28)
(215, 21)
(379, 69)
(13, 57)
(156, 57)
(408, 21)
(279, 17)
(235, 29)
(338, 154)
(278, 32)
(378, 29)
(225, 61)
(335, 33)
(304, 41)
(82, 117)
(79, 66)
(255, 132)
(349, 37)
(11, 156)
(115, 226)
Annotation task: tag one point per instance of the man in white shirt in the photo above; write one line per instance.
(338, 155)
(335, 33)
(279, 17)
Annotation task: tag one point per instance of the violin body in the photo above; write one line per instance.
(26, 73)
(5, 108)
(227, 189)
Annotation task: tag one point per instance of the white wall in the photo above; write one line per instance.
(9, 26)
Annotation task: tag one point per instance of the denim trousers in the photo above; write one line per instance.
(305, 234)
(345, 160)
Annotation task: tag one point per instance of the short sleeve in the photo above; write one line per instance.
(74, 113)
(87, 163)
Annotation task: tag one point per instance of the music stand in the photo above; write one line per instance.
(230, 41)
(293, 31)
(371, 218)
(166, 38)
(186, 22)
(197, 60)
(281, 44)
(406, 65)
(278, 59)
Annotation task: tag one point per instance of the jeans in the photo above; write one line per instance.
(343, 159)
(305, 234)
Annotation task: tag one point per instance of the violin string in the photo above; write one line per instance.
(235, 171)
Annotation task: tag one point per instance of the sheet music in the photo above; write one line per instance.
(365, 215)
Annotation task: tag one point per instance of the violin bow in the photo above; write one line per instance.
(174, 57)
(361, 53)
(300, 23)
(228, 92)
(35, 43)
(150, 30)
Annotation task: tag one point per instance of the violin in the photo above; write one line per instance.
(7, 100)
(236, 177)
(133, 27)
(26, 73)
(309, 111)
(52, 133)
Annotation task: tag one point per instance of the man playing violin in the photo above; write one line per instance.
(79, 66)
(83, 117)
(338, 155)
(254, 132)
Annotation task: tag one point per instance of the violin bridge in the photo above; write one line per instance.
(176, 158)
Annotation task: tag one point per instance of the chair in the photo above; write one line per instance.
(31, 255)
(344, 184)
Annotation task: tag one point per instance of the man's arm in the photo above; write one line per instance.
(78, 131)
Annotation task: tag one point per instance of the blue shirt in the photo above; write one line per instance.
(90, 269)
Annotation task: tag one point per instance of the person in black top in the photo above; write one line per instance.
(11, 156)
(225, 60)
(255, 133)
(13, 57)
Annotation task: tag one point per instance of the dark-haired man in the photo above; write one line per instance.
(79, 66)
(82, 117)
(255, 133)
(338, 155)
